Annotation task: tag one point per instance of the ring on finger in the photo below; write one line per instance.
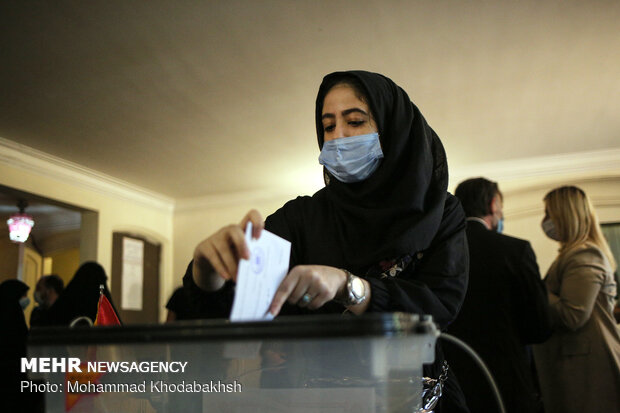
(305, 299)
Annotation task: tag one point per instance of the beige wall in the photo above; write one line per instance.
(116, 212)
(65, 263)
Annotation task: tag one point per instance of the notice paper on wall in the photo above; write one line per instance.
(133, 274)
(259, 277)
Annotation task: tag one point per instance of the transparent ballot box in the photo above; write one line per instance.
(331, 363)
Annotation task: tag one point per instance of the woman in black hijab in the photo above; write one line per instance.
(13, 347)
(383, 235)
(81, 296)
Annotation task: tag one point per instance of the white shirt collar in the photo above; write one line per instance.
(482, 221)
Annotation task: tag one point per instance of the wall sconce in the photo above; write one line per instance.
(20, 224)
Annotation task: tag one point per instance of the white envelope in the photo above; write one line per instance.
(259, 277)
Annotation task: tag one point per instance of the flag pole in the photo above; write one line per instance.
(101, 289)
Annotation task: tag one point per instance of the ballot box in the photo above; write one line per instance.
(327, 363)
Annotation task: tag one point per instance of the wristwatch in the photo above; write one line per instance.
(355, 290)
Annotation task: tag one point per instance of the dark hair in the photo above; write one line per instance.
(55, 282)
(342, 79)
(353, 82)
(476, 195)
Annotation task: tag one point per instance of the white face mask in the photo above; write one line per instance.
(549, 229)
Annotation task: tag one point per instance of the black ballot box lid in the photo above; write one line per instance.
(290, 327)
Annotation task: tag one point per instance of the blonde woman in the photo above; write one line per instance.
(579, 367)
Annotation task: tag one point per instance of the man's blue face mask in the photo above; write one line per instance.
(352, 159)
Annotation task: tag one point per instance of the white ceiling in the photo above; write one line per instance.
(190, 98)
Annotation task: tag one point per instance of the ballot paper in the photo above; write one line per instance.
(259, 277)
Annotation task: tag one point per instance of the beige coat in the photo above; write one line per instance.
(579, 366)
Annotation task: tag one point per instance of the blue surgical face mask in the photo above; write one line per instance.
(500, 225)
(24, 302)
(550, 230)
(352, 159)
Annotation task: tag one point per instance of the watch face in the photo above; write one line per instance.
(357, 287)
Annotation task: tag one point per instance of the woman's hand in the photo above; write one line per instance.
(217, 257)
(319, 283)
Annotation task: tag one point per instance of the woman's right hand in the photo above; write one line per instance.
(217, 257)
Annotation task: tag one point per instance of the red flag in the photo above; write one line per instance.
(105, 317)
(105, 313)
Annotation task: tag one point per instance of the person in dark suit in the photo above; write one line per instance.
(47, 291)
(505, 307)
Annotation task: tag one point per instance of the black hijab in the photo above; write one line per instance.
(12, 345)
(81, 296)
(398, 209)
(11, 313)
(12, 291)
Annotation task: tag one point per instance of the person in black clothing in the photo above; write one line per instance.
(47, 291)
(180, 306)
(81, 296)
(505, 307)
(383, 235)
(13, 300)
